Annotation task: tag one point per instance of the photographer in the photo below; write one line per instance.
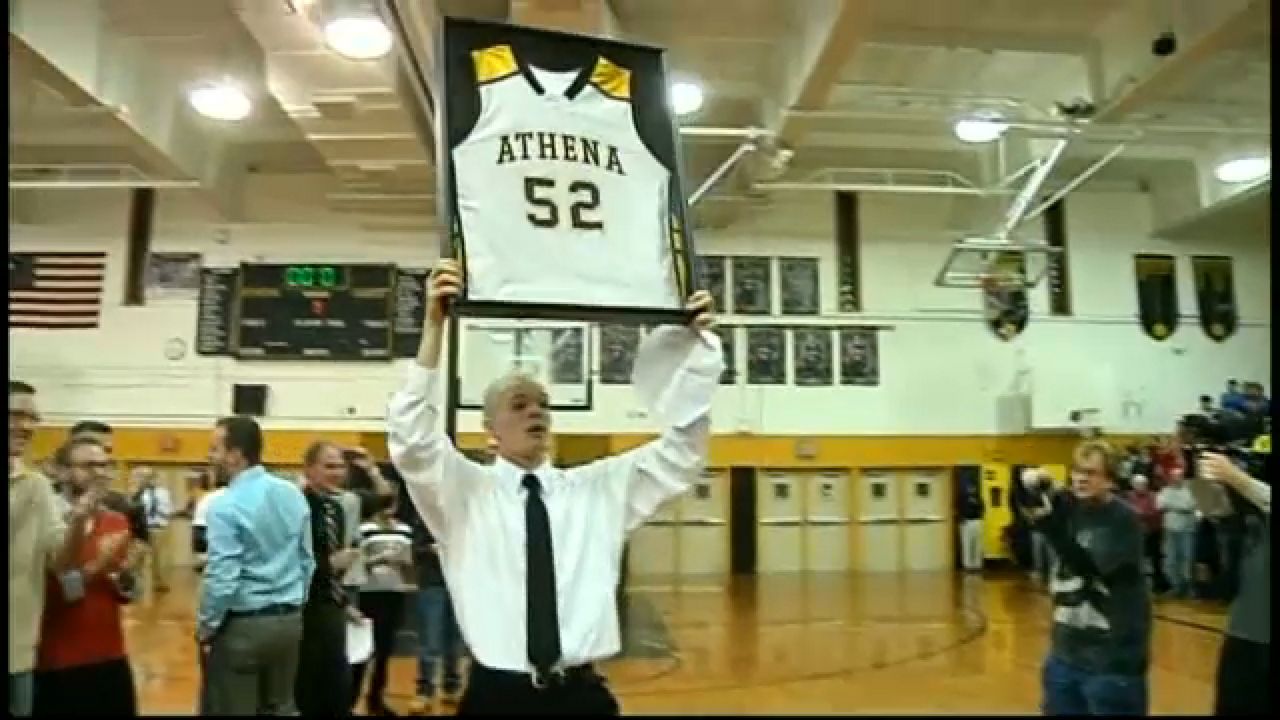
(1244, 669)
(1100, 643)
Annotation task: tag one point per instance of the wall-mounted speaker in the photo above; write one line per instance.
(249, 400)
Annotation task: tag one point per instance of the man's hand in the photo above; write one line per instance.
(444, 285)
(353, 615)
(361, 459)
(341, 560)
(700, 304)
(1220, 468)
(1038, 515)
(86, 505)
(108, 548)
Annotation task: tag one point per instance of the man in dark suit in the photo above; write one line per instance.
(322, 687)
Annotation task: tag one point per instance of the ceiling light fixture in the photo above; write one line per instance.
(982, 128)
(1244, 169)
(686, 97)
(222, 100)
(358, 37)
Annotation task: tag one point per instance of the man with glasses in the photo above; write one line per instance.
(40, 539)
(120, 502)
(1101, 638)
(82, 667)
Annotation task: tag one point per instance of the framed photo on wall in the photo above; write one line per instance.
(766, 356)
(618, 346)
(559, 175)
(712, 279)
(727, 334)
(752, 286)
(859, 357)
(811, 356)
(799, 286)
(567, 348)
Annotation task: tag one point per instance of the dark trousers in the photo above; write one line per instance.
(322, 687)
(104, 688)
(494, 692)
(252, 664)
(1244, 678)
(1071, 691)
(386, 610)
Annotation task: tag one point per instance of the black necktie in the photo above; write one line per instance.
(540, 581)
(330, 509)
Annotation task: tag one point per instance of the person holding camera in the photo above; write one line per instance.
(1101, 639)
(1244, 667)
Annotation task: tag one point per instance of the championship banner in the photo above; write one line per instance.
(1157, 294)
(559, 171)
(1004, 304)
(1215, 295)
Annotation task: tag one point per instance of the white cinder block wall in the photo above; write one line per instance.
(941, 369)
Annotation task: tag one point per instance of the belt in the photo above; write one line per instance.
(576, 675)
(267, 611)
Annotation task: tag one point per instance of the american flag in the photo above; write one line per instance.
(56, 290)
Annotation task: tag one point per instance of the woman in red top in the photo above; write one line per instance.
(81, 665)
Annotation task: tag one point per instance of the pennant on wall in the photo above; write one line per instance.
(1157, 294)
(1004, 304)
(1215, 295)
(56, 290)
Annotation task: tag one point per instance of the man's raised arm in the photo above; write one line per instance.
(677, 371)
(436, 475)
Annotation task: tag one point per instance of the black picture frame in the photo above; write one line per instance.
(799, 286)
(713, 277)
(859, 356)
(568, 356)
(728, 343)
(457, 107)
(752, 285)
(811, 352)
(619, 343)
(766, 355)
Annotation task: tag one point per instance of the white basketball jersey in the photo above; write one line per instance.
(558, 198)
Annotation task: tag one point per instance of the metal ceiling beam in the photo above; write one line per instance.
(977, 39)
(827, 34)
(1134, 77)
(69, 45)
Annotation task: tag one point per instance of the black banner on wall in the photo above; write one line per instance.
(848, 269)
(1058, 275)
(1156, 277)
(1215, 295)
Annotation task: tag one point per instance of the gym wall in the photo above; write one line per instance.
(941, 369)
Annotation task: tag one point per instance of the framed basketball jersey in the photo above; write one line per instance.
(559, 176)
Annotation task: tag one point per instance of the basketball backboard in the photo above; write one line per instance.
(973, 261)
(555, 352)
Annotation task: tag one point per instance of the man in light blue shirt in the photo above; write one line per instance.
(255, 579)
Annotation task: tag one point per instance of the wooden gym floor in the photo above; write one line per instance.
(935, 644)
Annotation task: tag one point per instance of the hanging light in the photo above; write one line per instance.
(686, 97)
(1244, 169)
(981, 128)
(221, 100)
(358, 37)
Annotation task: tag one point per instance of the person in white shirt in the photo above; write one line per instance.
(1178, 506)
(158, 508)
(200, 526)
(531, 553)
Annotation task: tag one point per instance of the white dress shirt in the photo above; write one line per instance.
(477, 514)
(158, 506)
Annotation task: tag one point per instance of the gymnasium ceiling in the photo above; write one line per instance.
(834, 88)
